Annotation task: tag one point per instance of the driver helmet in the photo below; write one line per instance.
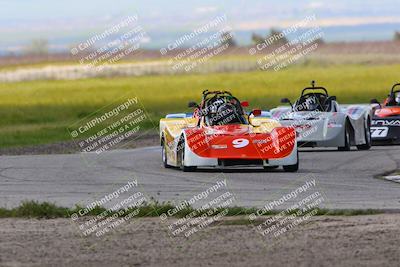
(397, 98)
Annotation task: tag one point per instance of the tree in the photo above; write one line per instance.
(227, 38)
(396, 36)
(278, 37)
(319, 41)
(38, 47)
(257, 39)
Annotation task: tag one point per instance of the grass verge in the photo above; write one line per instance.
(46, 210)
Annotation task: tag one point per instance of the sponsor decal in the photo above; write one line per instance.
(334, 125)
(302, 127)
(262, 141)
(219, 146)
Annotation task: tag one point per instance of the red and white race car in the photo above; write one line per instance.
(220, 133)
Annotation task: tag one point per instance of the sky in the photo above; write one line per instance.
(62, 21)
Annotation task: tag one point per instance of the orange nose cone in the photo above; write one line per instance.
(387, 112)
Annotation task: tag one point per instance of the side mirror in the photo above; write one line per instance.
(244, 103)
(192, 104)
(256, 112)
(374, 101)
(286, 101)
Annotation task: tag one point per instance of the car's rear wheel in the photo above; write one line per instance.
(184, 168)
(294, 167)
(346, 146)
(368, 139)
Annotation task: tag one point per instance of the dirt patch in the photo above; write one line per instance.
(324, 241)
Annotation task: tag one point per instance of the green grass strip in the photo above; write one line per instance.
(46, 210)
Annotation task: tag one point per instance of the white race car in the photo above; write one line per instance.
(321, 122)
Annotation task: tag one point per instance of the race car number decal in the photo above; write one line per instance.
(239, 143)
(379, 131)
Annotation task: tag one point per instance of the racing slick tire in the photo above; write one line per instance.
(294, 167)
(164, 154)
(347, 145)
(182, 158)
(368, 138)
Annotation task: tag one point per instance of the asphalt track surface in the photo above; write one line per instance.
(347, 180)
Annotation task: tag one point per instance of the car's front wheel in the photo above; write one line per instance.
(347, 145)
(368, 139)
(294, 167)
(181, 148)
(164, 154)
